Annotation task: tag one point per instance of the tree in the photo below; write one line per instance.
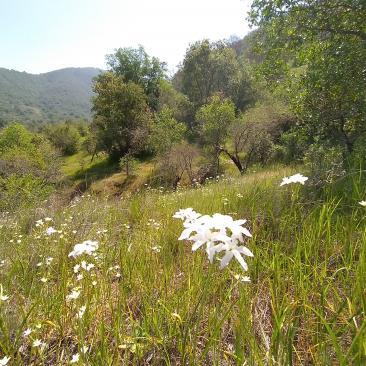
(65, 137)
(135, 65)
(28, 167)
(254, 135)
(214, 120)
(325, 41)
(121, 116)
(166, 131)
(210, 68)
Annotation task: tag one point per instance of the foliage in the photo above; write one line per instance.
(165, 131)
(28, 167)
(177, 102)
(214, 120)
(65, 137)
(135, 65)
(210, 68)
(128, 164)
(176, 164)
(325, 38)
(121, 116)
(324, 164)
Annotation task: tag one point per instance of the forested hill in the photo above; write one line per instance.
(48, 97)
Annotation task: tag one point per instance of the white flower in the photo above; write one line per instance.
(37, 343)
(4, 361)
(187, 214)
(84, 349)
(242, 278)
(219, 233)
(79, 277)
(48, 219)
(27, 332)
(86, 247)
(81, 312)
(75, 358)
(156, 249)
(4, 297)
(75, 293)
(49, 261)
(39, 222)
(297, 178)
(43, 279)
(51, 230)
(362, 203)
(76, 268)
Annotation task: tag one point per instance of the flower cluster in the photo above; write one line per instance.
(219, 233)
(297, 178)
(86, 247)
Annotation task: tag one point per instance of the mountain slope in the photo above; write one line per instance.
(48, 97)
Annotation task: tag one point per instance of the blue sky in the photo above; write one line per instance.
(43, 35)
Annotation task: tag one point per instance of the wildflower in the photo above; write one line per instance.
(86, 247)
(362, 203)
(4, 361)
(84, 349)
(44, 279)
(156, 249)
(27, 332)
(51, 230)
(242, 278)
(81, 312)
(219, 233)
(37, 343)
(79, 277)
(75, 293)
(76, 268)
(297, 178)
(187, 214)
(48, 219)
(75, 358)
(49, 261)
(4, 297)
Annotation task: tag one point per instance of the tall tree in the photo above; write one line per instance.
(327, 39)
(121, 116)
(210, 68)
(137, 66)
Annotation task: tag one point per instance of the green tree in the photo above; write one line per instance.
(64, 136)
(166, 131)
(214, 121)
(121, 116)
(135, 65)
(28, 167)
(210, 68)
(325, 42)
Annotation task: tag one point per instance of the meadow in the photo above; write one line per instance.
(143, 297)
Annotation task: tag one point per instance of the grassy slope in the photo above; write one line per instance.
(100, 177)
(305, 304)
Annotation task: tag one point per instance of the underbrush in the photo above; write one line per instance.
(145, 298)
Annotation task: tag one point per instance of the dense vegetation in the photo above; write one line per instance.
(94, 269)
(49, 97)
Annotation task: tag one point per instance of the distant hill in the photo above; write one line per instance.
(49, 97)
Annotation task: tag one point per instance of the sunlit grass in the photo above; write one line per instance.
(150, 300)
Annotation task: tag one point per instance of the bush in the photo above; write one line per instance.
(324, 164)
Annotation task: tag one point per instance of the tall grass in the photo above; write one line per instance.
(151, 301)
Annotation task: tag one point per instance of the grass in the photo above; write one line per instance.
(305, 304)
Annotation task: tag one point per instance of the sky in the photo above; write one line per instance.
(43, 35)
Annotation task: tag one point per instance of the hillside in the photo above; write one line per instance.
(51, 96)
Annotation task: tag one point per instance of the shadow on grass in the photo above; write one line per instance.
(96, 171)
